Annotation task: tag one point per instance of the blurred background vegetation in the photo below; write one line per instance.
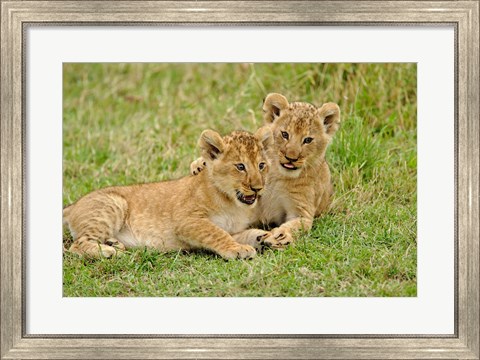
(135, 123)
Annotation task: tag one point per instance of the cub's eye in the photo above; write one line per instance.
(261, 166)
(285, 135)
(307, 140)
(240, 167)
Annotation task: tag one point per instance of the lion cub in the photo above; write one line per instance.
(189, 213)
(299, 187)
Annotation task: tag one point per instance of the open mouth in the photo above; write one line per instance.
(246, 199)
(289, 166)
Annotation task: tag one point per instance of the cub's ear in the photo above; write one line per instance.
(330, 115)
(211, 144)
(273, 105)
(264, 136)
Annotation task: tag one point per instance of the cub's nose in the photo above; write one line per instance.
(291, 159)
(256, 188)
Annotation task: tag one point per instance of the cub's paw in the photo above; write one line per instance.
(260, 240)
(197, 166)
(240, 251)
(107, 251)
(117, 245)
(254, 238)
(279, 239)
(94, 249)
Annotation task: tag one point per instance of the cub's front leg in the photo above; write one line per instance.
(300, 221)
(286, 233)
(202, 233)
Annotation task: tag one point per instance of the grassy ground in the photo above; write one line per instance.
(134, 123)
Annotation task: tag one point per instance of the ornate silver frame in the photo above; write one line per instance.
(16, 15)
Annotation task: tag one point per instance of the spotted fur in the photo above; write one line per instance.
(209, 211)
(299, 187)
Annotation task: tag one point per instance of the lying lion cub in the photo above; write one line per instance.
(299, 187)
(189, 213)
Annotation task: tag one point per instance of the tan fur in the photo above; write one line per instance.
(293, 197)
(189, 213)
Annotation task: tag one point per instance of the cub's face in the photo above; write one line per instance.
(237, 163)
(301, 132)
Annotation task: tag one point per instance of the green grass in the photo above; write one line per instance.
(134, 123)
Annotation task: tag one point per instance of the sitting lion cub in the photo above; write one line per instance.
(298, 187)
(189, 213)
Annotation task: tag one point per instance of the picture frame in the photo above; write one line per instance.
(17, 15)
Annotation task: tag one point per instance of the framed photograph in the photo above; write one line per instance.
(106, 93)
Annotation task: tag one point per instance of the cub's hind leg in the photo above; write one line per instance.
(94, 221)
